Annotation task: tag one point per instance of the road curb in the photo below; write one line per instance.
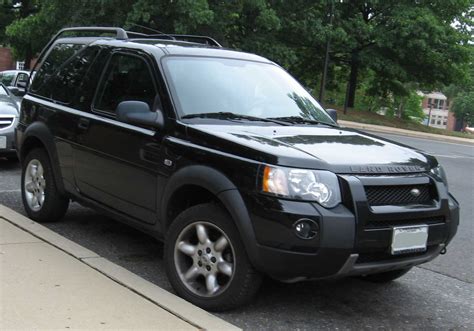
(162, 298)
(403, 132)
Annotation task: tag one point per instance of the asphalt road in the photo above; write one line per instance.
(437, 295)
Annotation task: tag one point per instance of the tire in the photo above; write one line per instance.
(386, 277)
(50, 205)
(235, 281)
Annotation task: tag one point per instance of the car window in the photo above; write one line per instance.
(7, 78)
(127, 77)
(241, 87)
(22, 78)
(64, 85)
(58, 57)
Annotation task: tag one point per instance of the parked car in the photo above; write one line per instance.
(15, 80)
(227, 159)
(9, 112)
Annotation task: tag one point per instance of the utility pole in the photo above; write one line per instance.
(322, 88)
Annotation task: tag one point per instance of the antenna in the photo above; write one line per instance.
(154, 30)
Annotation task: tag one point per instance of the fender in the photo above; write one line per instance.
(39, 130)
(218, 184)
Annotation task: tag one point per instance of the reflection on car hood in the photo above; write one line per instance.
(8, 106)
(336, 149)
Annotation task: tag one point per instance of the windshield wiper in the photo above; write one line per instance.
(235, 116)
(301, 120)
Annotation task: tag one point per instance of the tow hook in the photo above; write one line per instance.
(443, 251)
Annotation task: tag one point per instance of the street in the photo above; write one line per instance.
(437, 295)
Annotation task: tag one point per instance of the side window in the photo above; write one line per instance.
(57, 57)
(127, 77)
(65, 83)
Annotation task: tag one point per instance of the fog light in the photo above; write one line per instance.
(306, 228)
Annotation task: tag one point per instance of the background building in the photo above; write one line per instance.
(436, 108)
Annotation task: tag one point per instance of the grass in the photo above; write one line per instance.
(367, 117)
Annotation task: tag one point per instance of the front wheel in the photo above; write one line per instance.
(206, 261)
(41, 199)
(385, 277)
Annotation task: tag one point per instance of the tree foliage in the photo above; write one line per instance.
(381, 49)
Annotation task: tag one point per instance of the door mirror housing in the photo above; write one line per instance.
(333, 114)
(21, 84)
(139, 113)
(15, 91)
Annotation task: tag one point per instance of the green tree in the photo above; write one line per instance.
(401, 42)
(463, 107)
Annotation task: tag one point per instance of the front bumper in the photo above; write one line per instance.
(9, 134)
(348, 242)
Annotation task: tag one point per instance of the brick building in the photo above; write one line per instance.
(6, 59)
(436, 107)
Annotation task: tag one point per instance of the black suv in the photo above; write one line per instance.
(228, 160)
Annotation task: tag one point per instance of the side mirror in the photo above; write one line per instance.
(15, 91)
(139, 113)
(21, 84)
(333, 114)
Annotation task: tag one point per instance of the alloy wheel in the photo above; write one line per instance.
(34, 185)
(204, 259)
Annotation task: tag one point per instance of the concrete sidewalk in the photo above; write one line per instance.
(49, 282)
(403, 132)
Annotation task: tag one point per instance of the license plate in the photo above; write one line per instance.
(3, 142)
(409, 239)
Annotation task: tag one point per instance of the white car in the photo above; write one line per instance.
(15, 78)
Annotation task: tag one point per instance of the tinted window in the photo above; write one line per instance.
(127, 77)
(64, 85)
(55, 59)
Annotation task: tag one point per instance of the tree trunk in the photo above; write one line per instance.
(28, 58)
(353, 79)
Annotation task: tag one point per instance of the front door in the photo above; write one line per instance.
(118, 164)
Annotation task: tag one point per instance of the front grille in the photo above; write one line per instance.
(399, 195)
(410, 221)
(6, 121)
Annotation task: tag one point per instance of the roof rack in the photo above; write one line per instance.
(121, 34)
(178, 37)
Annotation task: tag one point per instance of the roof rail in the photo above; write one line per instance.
(121, 34)
(179, 37)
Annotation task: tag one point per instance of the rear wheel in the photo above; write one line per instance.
(385, 277)
(41, 199)
(206, 261)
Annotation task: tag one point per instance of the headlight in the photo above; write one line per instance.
(440, 173)
(302, 184)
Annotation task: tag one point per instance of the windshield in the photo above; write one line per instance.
(7, 78)
(214, 85)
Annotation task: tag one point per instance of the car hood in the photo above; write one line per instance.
(8, 106)
(340, 150)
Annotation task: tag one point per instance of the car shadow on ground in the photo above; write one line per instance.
(8, 164)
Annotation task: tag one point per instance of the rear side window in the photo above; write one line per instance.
(64, 85)
(127, 77)
(55, 59)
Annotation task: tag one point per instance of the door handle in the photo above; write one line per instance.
(83, 123)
